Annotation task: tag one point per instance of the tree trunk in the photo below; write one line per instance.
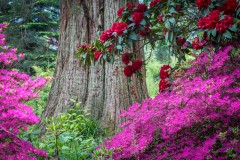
(102, 89)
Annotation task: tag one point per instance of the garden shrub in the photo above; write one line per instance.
(15, 116)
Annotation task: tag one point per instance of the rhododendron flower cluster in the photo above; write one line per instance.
(142, 7)
(160, 18)
(129, 70)
(229, 7)
(202, 3)
(15, 116)
(198, 119)
(154, 3)
(97, 55)
(145, 32)
(119, 27)
(224, 24)
(210, 20)
(137, 17)
(120, 11)
(164, 74)
(196, 44)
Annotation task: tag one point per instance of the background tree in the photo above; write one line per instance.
(33, 30)
(102, 88)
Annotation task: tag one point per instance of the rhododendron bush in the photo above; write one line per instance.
(16, 89)
(184, 25)
(196, 114)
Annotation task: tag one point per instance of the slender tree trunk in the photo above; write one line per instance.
(102, 89)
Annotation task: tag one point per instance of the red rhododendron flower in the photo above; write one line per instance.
(97, 55)
(84, 47)
(137, 65)
(196, 44)
(180, 41)
(126, 58)
(119, 27)
(141, 7)
(202, 3)
(130, 5)
(178, 8)
(137, 17)
(224, 24)
(165, 31)
(146, 31)
(110, 48)
(154, 2)
(229, 7)
(209, 21)
(120, 12)
(163, 85)
(128, 71)
(105, 35)
(160, 18)
(165, 71)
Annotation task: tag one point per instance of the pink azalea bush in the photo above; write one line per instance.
(16, 89)
(188, 122)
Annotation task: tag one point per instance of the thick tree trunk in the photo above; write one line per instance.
(102, 89)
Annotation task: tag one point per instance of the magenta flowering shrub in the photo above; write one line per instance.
(198, 119)
(16, 89)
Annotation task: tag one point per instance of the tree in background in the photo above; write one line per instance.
(102, 89)
(33, 30)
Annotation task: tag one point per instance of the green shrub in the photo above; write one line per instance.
(71, 135)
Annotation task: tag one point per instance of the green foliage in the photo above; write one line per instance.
(33, 30)
(102, 153)
(39, 103)
(71, 135)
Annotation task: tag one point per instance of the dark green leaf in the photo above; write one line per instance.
(120, 39)
(129, 42)
(119, 47)
(238, 11)
(143, 22)
(166, 36)
(130, 18)
(167, 24)
(214, 32)
(233, 28)
(131, 25)
(172, 20)
(227, 34)
(133, 36)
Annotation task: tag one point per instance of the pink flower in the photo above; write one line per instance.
(21, 55)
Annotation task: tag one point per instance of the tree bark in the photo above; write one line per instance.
(102, 89)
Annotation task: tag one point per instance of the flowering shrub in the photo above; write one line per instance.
(16, 89)
(205, 24)
(198, 119)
